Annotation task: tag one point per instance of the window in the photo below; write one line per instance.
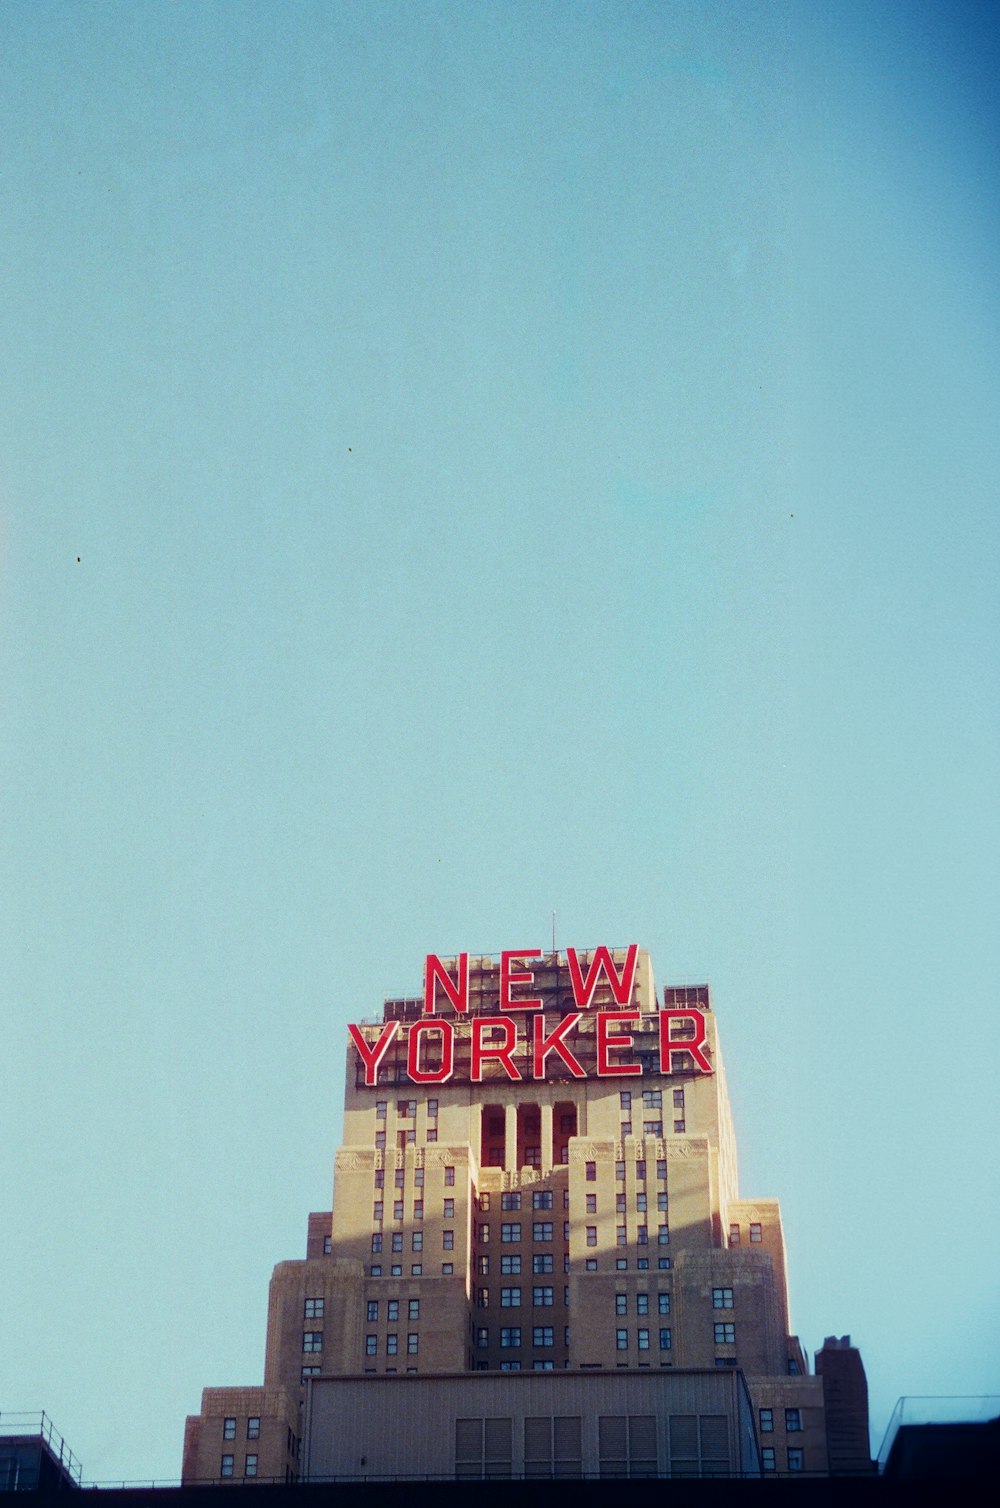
(380, 1108)
(229, 1429)
(796, 1458)
(652, 1099)
(397, 1240)
(373, 1311)
(679, 1128)
(377, 1209)
(661, 1201)
(377, 1241)
(642, 1264)
(725, 1335)
(380, 1178)
(767, 1457)
(621, 1303)
(543, 1366)
(448, 1244)
(510, 1336)
(483, 1298)
(449, 1209)
(392, 1345)
(620, 1172)
(541, 1230)
(756, 1232)
(510, 1298)
(643, 1339)
(663, 1263)
(734, 1235)
(432, 1109)
(483, 1232)
(766, 1421)
(510, 1230)
(793, 1367)
(666, 1340)
(626, 1128)
(591, 1168)
(678, 1099)
(250, 1466)
(510, 1201)
(663, 1303)
(640, 1170)
(642, 1303)
(640, 1203)
(533, 1156)
(417, 1241)
(432, 1135)
(312, 1340)
(371, 1345)
(625, 1099)
(447, 1268)
(542, 1335)
(591, 1204)
(591, 1235)
(380, 1140)
(416, 1270)
(327, 1245)
(509, 1366)
(642, 1235)
(449, 1178)
(793, 1420)
(541, 1199)
(621, 1340)
(226, 1466)
(542, 1262)
(418, 1209)
(308, 1372)
(484, 1203)
(253, 1427)
(661, 1167)
(395, 1271)
(620, 1203)
(482, 1337)
(418, 1177)
(397, 1209)
(590, 1265)
(542, 1298)
(621, 1264)
(406, 1109)
(412, 1345)
(652, 1128)
(621, 1235)
(722, 1298)
(376, 1270)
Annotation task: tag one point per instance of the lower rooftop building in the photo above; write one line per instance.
(538, 1175)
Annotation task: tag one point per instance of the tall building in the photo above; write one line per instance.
(538, 1174)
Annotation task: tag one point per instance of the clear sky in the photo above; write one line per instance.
(458, 462)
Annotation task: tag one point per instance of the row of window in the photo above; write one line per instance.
(399, 1177)
(651, 1128)
(253, 1428)
(541, 1262)
(642, 1340)
(510, 1298)
(590, 1170)
(796, 1458)
(416, 1240)
(756, 1233)
(541, 1199)
(793, 1421)
(227, 1466)
(406, 1109)
(392, 1345)
(641, 1235)
(510, 1231)
(392, 1310)
(542, 1336)
(378, 1209)
(642, 1303)
(652, 1099)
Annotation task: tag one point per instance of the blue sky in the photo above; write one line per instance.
(461, 462)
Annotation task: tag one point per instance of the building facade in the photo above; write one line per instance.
(538, 1173)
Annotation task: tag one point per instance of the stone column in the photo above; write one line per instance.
(510, 1139)
(547, 1162)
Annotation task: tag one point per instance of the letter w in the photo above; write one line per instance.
(621, 985)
